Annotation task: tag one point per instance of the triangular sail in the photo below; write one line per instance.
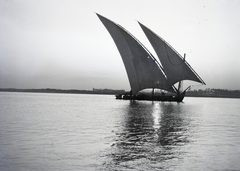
(142, 68)
(175, 67)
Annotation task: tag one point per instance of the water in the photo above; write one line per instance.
(46, 132)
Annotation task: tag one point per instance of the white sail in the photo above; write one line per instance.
(175, 67)
(142, 68)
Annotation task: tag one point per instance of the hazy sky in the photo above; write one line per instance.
(63, 44)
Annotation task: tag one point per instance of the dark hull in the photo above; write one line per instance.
(170, 98)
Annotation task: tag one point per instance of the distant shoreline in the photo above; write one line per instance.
(218, 93)
(71, 91)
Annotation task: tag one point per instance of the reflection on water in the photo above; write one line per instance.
(151, 134)
(174, 126)
(93, 132)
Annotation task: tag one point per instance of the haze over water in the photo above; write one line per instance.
(96, 132)
(62, 44)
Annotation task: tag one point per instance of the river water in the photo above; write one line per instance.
(48, 132)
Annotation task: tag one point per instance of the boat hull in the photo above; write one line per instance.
(170, 98)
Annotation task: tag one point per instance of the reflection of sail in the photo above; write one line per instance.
(150, 132)
(172, 125)
(133, 141)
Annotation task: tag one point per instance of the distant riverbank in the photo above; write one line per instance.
(71, 91)
(222, 93)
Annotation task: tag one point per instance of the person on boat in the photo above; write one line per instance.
(130, 93)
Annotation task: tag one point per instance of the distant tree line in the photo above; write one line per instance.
(191, 93)
(214, 93)
(72, 91)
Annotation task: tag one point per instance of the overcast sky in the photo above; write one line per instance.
(62, 43)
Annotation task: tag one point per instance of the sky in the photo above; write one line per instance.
(62, 43)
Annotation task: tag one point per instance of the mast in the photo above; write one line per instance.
(175, 66)
(142, 68)
(153, 94)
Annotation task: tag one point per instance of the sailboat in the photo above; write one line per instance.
(144, 71)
